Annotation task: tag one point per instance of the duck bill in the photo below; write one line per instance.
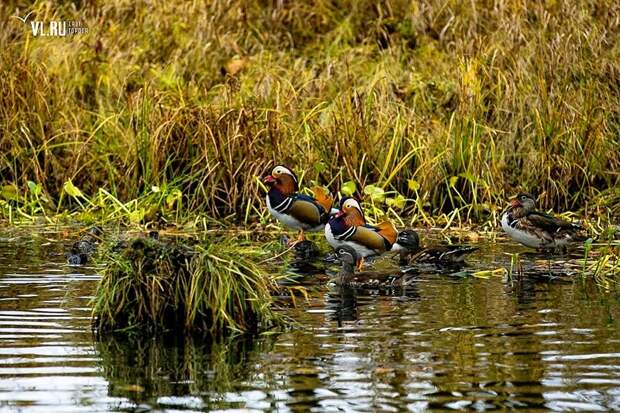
(269, 180)
(515, 203)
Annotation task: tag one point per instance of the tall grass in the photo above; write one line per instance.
(453, 105)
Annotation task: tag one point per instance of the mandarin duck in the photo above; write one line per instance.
(536, 229)
(349, 260)
(349, 227)
(410, 252)
(293, 209)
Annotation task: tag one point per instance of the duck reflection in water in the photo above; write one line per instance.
(306, 255)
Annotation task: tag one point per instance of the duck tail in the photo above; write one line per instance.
(323, 197)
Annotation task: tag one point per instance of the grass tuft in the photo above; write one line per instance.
(154, 286)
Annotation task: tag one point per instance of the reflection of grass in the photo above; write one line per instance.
(603, 265)
(143, 370)
(516, 266)
(445, 107)
(214, 286)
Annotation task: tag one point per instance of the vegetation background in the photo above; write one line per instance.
(427, 106)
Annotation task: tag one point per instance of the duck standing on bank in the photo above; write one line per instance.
(410, 252)
(295, 210)
(536, 229)
(348, 228)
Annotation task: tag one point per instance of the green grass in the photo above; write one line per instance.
(602, 264)
(212, 286)
(447, 106)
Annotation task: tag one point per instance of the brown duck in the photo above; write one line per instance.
(349, 260)
(536, 229)
(410, 251)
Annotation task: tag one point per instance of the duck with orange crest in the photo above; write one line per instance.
(293, 209)
(348, 227)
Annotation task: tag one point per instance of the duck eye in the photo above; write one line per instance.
(522, 198)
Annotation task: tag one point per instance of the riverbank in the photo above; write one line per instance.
(427, 109)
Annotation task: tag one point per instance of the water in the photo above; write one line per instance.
(446, 342)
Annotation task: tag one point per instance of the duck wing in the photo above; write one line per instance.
(550, 223)
(305, 209)
(379, 238)
(388, 231)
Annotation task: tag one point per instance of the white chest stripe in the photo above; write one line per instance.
(284, 205)
(346, 235)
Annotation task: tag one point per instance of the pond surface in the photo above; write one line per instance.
(445, 342)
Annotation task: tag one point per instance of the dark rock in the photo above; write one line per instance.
(85, 246)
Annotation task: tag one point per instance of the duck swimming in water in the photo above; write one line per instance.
(410, 251)
(85, 246)
(349, 260)
(536, 229)
(293, 209)
(75, 257)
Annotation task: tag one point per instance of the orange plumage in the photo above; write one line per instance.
(387, 231)
(323, 197)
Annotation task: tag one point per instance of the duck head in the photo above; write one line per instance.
(523, 202)
(350, 212)
(283, 180)
(349, 259)
(408, 239)
(407, 242)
